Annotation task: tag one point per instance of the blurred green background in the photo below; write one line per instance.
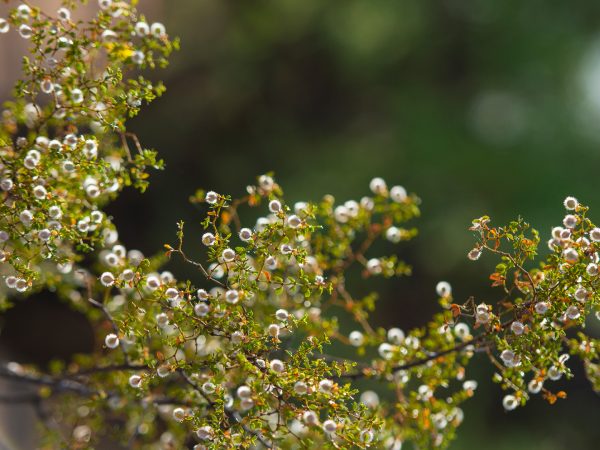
(478, 106)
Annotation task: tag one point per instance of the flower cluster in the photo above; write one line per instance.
(247, 353)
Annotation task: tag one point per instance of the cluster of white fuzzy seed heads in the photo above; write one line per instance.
(238, 356)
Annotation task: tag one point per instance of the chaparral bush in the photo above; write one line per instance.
(247, 353)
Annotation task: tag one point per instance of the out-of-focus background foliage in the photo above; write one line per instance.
(478, 106)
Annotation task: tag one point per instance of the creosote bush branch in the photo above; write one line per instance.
(246, 354)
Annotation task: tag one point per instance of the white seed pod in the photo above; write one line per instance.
(22, 285)
(204, 433)
(398, 194)
(395, 336)
(581, 294)
(76, 96)
(4, 26)
(393, 234)
(281, 314)
(541, 307)
(270, 263)
(341, 214)
(237, 337)
(245, 234)
(378, 186)
(535, 386)
(11, 282)
(162, 320)
(366, 436)
(209, 388)
(310, 418)
(573, 312)
(510, 402)
(275, 206)
(352, 208)
(172, 293)
(517, 327)
(273, 330)
(595, 234)
(55, 212)
(142, 29)
(25, 31)
(294, 221)
(179, 414)
(104, 4)
(153, 282)
(367, 203)
(329, 426)
(508, 357)
(374, 266)
(111, 259)
(385, 350)
(201, 309)
(356, 338)
(111, 341)
(571, 203)
(64, 14)
(462, 331)
(469, 385)
(138, 57)
(300, 388)
(211, 197)
(557, 232)
(44, 235)
(443, 289)
(6, 184)
(26, 217)
(246, 404)
(228, 255)
(107, 279)
(554, 373)
(474, 254)
(244, 392)
(158, 30)
(570, 221)
(277, 366)
(232, 296)
(163, 371)
(370, 399)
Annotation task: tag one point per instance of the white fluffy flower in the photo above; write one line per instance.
(274, 206)
(571, 203)
(208, 239)
(135, 381)
(211, 197)
(277, 366)
(228, 255)
(245, 234)
(398, 194)
(378, 186)
(107, 279)
(510, 402)
(443, 289)
(329, 426)
(111, 341)
(356, 338)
